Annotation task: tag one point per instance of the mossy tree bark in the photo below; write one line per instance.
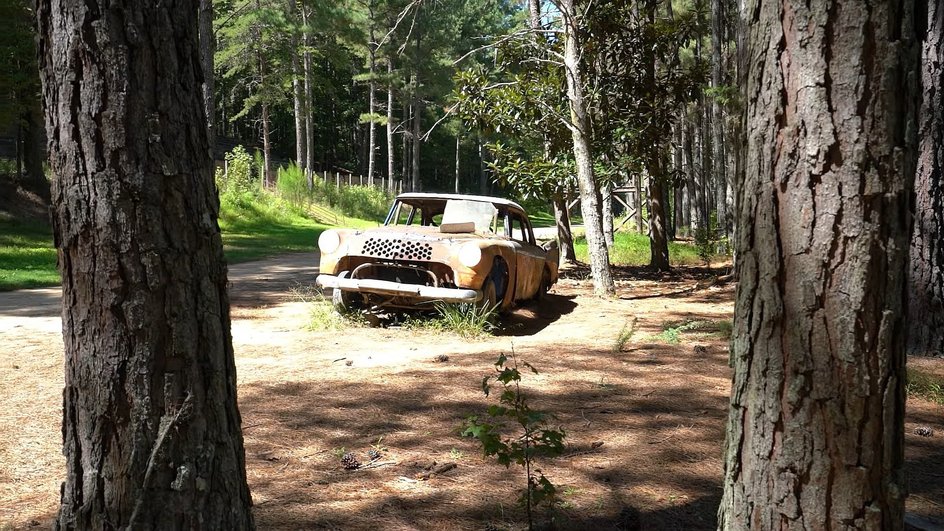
(815, 430)
(151, 430)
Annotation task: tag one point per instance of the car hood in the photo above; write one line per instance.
(424, 233)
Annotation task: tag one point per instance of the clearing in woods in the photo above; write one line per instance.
(645, 422)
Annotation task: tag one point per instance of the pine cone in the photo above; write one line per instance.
(373, 454)
(349, 462)
(924, 431)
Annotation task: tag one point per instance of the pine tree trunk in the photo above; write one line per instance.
(416, 183)
(718, 157)
(658, 238)
(815, 433)
(308, 105)
(267, 179)
(658, 235)
(691, 180)
(638, 204)
(301, 156)
(405, 148)
(151, 430)
(565, 237)
(207, 48)
(926, 275)
(580, 130)
(483, 174)
(372, 105)
(33, 177)
(390, 154)
(298, 99)
(458, 151)
(606, 209)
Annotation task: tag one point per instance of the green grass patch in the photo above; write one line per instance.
(926, 386)
(632, 249)
(27, 255)
(254, 225)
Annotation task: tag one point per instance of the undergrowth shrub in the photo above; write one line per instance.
(361, 202)
(293, 185)
(515, 433)
(238, 176)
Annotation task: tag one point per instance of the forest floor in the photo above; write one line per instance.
(644, 423)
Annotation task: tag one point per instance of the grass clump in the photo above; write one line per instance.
(632, 249)
(463, 319)
(672, 331)
(625, 334)
(926, 386)
(322, 315)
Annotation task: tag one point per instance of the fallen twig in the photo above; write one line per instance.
(439, 470)
(377, 464)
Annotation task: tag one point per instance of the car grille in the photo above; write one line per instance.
(398, 249)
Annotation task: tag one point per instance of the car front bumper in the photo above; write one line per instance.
(397, 289)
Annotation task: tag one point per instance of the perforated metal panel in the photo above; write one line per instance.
(397, 249)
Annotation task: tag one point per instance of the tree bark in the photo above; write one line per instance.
(926, 274)
(815, 432)
(151, 430)
(580, 130)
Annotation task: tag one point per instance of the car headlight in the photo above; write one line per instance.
(329, 241)
(470, 255)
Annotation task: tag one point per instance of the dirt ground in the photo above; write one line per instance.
(644, 424)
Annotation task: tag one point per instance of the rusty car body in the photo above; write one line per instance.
(439, 247)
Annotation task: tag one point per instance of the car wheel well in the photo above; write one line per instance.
(499, 274)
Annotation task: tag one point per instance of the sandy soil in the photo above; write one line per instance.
(657, 407)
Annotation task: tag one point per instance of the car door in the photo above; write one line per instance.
(529, 257)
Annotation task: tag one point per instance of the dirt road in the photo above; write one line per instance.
(644, 418)
(258, 283)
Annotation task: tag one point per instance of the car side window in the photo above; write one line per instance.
(518, 231)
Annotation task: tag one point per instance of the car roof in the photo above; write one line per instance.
(464, 197)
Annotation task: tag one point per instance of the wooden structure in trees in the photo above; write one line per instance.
(630, 196)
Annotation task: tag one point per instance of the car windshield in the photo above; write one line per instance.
(480, 213)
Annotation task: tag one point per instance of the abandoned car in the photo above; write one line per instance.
(439, 247)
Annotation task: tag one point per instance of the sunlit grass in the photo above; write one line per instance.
(632, 249)
(926, 386)
(27, 255)
(253, 226)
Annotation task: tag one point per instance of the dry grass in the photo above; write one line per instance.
(658, 408)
